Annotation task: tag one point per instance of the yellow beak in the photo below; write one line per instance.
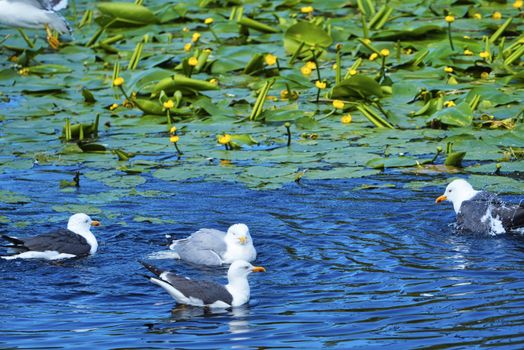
(258, 269)
(95, 223)
(441, 199)
(242, 239)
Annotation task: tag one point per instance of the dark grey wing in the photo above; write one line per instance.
(204, 247)
(62, 241)
(512, 216)
(471, 212)
(208, 292)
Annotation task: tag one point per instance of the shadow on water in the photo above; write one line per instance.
(346, 268)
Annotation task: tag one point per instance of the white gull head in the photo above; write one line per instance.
(457, 192)
(239, 244)
(81, 225)
(238, 285)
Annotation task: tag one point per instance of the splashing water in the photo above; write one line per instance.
(494, 222)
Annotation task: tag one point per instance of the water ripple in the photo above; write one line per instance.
(346, 269)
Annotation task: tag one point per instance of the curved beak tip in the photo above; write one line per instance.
(258, 269)
(95, 223)
(441, 199)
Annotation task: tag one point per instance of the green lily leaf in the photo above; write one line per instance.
(128, 12)
(459, 115)
(307, 33)
(44, 69)
(358, 86)
(182, 83)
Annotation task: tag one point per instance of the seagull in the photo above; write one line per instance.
(481, 211)
(204, 293)
(35, 14)
(214, 248)
(76, 241)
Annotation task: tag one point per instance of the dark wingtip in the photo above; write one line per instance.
(13, 240)
(146, 276)
(155, 270)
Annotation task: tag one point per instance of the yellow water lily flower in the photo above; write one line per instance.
(373, 56)
(270, 59)
(193, 61)
(169, 104)
(307, 9)
(195, 37)
(305, 70)
(118, 81)
(338, 104)
(384, 52)
(346, 119)
(224, 139)
(449, 18)
(448, 69)
(320, 84)
(496, 15)
(311, 65)
(173, 129)
(209, 20)
(174, 139)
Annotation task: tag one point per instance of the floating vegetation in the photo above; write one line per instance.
(269, 96)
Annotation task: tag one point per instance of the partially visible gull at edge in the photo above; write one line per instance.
(212, 247)
(481, 211)
(204, 293)
(75, 241)
(35, 14)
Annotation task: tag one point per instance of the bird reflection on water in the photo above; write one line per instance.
(185, 318)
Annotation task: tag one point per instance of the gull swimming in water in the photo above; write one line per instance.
(205, 293)
(75, 241)
(481, 211)
(213, 247)
(35, 14)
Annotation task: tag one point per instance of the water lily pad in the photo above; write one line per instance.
(10, 197)
(358, 86)
(308, 33)
(129, 13)
(459, 115)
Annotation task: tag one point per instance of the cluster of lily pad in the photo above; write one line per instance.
(327, 89)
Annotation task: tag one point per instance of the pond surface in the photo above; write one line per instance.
(346, 268)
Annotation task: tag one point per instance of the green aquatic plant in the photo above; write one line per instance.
(404, 90)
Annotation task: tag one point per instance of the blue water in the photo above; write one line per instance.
(346, 268)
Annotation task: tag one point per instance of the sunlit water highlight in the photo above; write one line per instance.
(346, 268)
